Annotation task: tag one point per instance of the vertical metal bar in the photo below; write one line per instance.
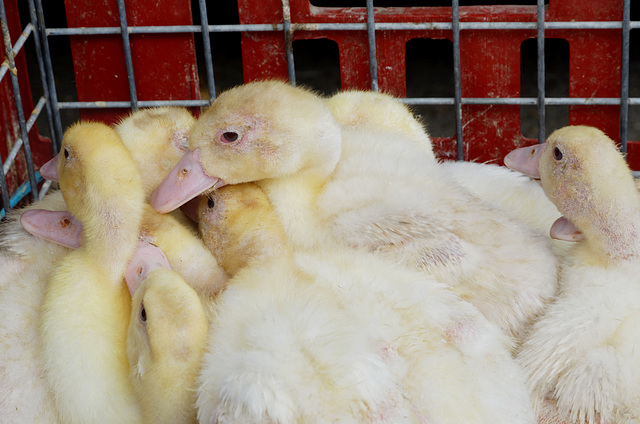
(56, 130)
(10, 60)
(455, 24)
(288, 39)
(624, 76)
(43, 77)
(127, 54)
(541, 74)
(373, 58)
(206, 44)
(4, 192)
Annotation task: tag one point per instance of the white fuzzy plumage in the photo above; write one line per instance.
(26, 262)
(339, 335)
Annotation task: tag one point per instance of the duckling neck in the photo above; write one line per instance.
(111, 237)
(616, 230)
(294, 199)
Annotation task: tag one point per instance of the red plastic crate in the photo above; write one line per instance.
(165, 65)
(490, 61)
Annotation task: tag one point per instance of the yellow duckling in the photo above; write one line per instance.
(293, 326)
(583, 356)
(167, 336)
(86, 307)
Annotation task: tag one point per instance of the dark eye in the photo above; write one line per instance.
(557, 154)
(210, 203)
(66, 153)
(229, 136)
(143, 314)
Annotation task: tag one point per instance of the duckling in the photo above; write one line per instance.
(439, 350)
(497, 186)
(166, 339)
(26, 264)
(368, 189)
(582, 357)
(86, 306)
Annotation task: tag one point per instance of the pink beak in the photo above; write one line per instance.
(526, 159)
(57, 226)
(563, 229)
(185, 181)
(146, 258)
(49, 170)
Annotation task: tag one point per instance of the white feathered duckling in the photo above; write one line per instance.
(497, 186)
(166, 339)
(26, 263)
(86, 306)
(368, 189)
(292, 325)
(583, 356)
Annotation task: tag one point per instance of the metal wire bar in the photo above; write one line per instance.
(541, 74)
(288, 41)
(48, 70)
(455, 22)
(379, 26)
(206, 45)
(126, 43)
(624, 76)
(10, 59)
(29, 124)
(23, 190)
(524, 101)
(373, 58)
(17, 46)
(55, 142)
(126, 104)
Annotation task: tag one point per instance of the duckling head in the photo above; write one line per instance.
(583, 173)
(157, 139)
(93, 167)
(257, 131)
(237, 223)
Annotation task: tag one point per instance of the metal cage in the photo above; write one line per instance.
(130, 55)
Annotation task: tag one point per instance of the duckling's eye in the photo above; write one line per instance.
(143, 314)
(557, 154)
(229, 136)
(66, 153)
(211, 203)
